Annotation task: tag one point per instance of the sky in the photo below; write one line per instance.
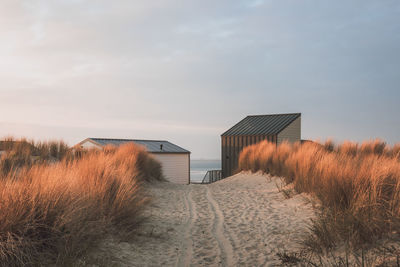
(186, 71)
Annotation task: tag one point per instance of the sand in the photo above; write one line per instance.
(243, 220)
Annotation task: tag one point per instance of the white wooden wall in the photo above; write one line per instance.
(175, 167)
(89, 145)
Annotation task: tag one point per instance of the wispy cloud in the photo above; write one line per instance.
(199, 66)
(255, 3)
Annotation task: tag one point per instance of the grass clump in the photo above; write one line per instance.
(17, 153)
(52, 213)
(358, 186)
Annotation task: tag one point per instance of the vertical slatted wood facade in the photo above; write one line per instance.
(233, 145)
(252, 130)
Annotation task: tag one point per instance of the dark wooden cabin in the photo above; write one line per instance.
(275, 128)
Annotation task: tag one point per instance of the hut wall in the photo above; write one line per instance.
(292, 133)
(231, 146)
(175, 166)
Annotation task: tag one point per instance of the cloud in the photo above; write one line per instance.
(198, 66)
(255, 3)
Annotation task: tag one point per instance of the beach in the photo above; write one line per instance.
(242, 220)
(199, 168)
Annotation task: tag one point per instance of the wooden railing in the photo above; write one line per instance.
(212, 176)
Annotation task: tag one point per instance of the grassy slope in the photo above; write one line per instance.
(358, 185)
(54, 211)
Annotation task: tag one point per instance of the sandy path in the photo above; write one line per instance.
(187, 248)
(224, 245)
(259, 221)
(242, 220)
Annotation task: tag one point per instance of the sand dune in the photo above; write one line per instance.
(240, 221)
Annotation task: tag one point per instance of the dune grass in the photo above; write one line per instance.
(25, 153)
(54, 212)
(357, 185)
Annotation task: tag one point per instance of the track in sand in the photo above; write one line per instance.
(242, 220)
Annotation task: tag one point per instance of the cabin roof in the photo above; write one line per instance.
(153, 146)
(262, 124)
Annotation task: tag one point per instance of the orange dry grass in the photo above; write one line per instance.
(23, 153)
(360, 185)
(52, 213)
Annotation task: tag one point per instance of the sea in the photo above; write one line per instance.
(199, 168)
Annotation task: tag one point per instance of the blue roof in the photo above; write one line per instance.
(153, 146)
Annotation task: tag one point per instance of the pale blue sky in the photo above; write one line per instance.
(186, 71)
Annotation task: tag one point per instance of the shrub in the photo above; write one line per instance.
(51, 213)
(358, 186)
(19, 153)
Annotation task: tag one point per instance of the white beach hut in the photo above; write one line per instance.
(175, 161)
